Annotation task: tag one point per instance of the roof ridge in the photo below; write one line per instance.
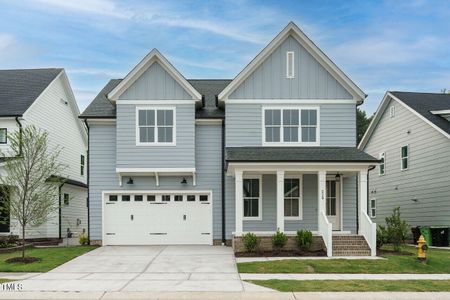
(32, 69)
(429, 93)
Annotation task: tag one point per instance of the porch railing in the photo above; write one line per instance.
(368, 229)
(326, 230)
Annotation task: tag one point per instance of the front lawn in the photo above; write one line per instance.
(49, 258)
(438, 262)
(356, 285)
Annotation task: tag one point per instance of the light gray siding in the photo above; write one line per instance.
(244, 125)
(311, 80)
(155, 84)
(103, 175)
(427, 178)
(179, 156)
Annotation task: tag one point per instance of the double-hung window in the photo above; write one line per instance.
(290, 126)
(3, 134)
(405, 157)
(373, 208)
(155, 126)
(252, 198)
(82, 164)
(292, 201)
(382, 169)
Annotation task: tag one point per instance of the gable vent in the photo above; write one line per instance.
(290, 64)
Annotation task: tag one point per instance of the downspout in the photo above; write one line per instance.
(87, 180)
(59, 209)
(223, 183)
(20, 135)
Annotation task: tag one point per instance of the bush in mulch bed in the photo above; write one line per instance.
(282, 253)
(23, 260)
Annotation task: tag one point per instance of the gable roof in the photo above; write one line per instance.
(423, 105)
(20, 88)
(142, 66)
(293, 30)
(102, 107)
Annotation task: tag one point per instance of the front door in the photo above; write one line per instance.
(333, 205)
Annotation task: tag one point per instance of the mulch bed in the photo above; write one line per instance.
(24, 260)
(401, 253)
(282, 253)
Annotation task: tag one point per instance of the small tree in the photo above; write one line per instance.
(33, 179)
(397, 229)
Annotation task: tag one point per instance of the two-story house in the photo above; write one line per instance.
(43, 98)
(410, 133)
(176, 161)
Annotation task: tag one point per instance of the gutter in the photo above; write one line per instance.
(87, 180)
(223, 183)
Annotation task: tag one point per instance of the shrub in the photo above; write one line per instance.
(251, 242)
(83, 239)
(304, 239)
(279, 240)
(397, 229)
(382, 236)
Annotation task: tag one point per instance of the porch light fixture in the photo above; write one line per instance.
(130, 181)
(337, 177)
(184, 181)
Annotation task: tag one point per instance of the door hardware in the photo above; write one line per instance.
(184, 217)
(132, 217)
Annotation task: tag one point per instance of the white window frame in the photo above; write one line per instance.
(282, 143)
(373, 208)
(392, 111)
(156, 143)
(382, 155)
(290, 65)
(300, 199)
(259, 217)
(401, 158)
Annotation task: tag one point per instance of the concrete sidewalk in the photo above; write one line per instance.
(225, 295)
(313, 276)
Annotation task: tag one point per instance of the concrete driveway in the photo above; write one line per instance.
(144, 268)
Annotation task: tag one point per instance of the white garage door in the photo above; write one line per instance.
(150, 218)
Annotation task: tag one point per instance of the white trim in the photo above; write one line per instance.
(440, 112)
(300, 198)
(155, 130)
(292, 101)
(372, 207)
(100, 121)
(392, 111)
(155, 102)
(142, 66)
(260, 198)
(401, 158)
(153, 170)
(381, 108)
(382, 155)
(288, 233)
(290, 107)
(290, 65)
(208, 121)
(292, 30)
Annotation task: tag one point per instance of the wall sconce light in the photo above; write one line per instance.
(184, 181)
(414, 200)
(337, 177)
(130, 181)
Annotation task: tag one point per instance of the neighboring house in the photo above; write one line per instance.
(176, 161)
(410, 133)
(44, 98)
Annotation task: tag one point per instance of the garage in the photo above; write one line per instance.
(157, 217)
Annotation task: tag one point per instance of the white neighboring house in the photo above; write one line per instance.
(44, 98)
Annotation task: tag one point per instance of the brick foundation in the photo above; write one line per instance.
(265, 243)
(95, 242)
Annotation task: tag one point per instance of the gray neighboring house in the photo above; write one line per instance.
(43, 98)
(410, 133)
(177, 161)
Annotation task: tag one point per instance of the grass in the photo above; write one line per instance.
(49, 258)
(3, 280)
(356, 285)
(438, 262)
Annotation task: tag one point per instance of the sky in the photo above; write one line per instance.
(380, 45)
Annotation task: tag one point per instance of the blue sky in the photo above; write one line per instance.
(381, 45)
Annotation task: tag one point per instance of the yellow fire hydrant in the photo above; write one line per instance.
(422, 248)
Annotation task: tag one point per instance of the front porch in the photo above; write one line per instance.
(329, 199)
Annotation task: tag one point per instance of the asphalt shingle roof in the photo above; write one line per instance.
(20, 88)
(102, 107)
(424, 103)
(297, 154)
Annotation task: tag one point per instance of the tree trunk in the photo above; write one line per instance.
(23, 241)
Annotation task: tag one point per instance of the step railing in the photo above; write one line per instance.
(368, 229)
(326, 230)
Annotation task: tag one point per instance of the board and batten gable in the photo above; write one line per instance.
(423, 190)
(155, 84)
(311, 80)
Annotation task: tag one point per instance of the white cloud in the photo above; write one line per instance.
(84, 97)
(6, 40)
(100, 7)
(95, 71)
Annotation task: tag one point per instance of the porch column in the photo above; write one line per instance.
(322, 191)
(362, 203)
(280, 200)
(239, 202)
